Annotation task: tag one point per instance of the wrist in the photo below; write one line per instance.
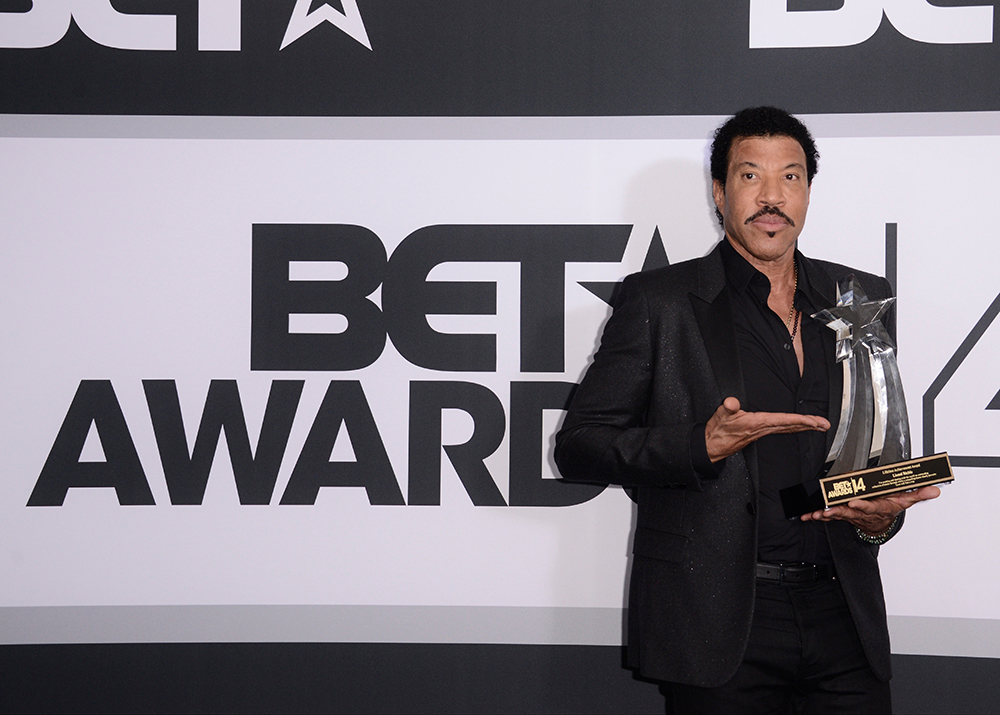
(882, 537)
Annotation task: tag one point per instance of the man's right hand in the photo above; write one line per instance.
(731, 429)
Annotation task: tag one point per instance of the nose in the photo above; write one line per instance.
(771, 193)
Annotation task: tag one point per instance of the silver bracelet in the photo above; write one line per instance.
(879, 539)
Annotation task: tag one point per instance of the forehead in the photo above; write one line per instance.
(775, 152)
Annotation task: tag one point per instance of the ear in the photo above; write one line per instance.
(719, 194)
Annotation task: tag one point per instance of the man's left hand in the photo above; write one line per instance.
(873, 516)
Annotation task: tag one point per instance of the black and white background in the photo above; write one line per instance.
(293, 292)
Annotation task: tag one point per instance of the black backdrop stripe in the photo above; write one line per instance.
(512, 58)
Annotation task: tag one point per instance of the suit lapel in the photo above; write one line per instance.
(715, 321)
(714, 314)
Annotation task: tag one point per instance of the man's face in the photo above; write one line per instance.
(765, 198)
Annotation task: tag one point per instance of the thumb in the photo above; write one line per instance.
(731, 405)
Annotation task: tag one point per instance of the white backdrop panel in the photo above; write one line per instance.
(130, 259)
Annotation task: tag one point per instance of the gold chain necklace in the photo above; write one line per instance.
(792, 313)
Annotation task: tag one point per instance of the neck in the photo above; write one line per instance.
(783, 277)
(780, 271)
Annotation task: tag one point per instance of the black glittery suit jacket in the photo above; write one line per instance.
(668, 357)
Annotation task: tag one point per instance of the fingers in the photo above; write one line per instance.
(764, 423)
(730, 429)
(870, 522)
(854, 510)
(895, 503)
(858, 511)
(923, 494)
(830, 514)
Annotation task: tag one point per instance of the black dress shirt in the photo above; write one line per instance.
(773, 384)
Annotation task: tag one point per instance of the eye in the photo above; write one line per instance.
(749, 175)
(792, 177)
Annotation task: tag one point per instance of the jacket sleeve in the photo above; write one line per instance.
(605, 437)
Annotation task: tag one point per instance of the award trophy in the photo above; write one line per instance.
(870, 454)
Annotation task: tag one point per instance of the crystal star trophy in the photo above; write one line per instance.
(870, 454)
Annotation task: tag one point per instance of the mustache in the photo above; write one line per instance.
(772, 210)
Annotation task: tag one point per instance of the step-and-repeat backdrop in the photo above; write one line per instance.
(294, 294)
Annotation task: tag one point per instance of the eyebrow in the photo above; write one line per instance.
(793, 165)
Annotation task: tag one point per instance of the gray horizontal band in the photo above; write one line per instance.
(960, 637)
(310, 624)
(916, 635)
(481, 128)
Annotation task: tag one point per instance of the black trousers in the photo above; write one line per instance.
(804, 656)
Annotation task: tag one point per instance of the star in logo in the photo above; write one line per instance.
(855, 319)
(656, 257)
(302, 21)
(994, 403)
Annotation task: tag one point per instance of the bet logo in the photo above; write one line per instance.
(772, 24)
(46, 22)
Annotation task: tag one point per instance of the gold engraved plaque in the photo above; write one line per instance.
(879, 481)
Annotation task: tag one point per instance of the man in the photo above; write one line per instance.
(712, 390)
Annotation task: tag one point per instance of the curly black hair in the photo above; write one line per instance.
(760, 122)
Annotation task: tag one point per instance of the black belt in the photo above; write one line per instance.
(795, 573)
